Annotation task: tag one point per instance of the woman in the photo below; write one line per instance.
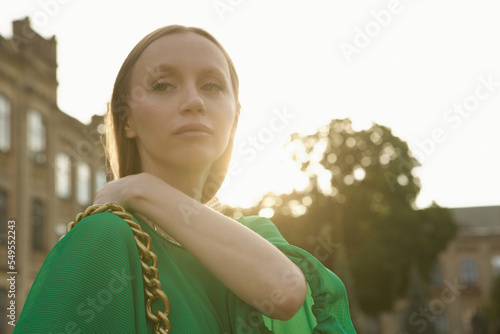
(171, 125)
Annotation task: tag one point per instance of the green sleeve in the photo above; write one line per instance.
(89, 283)
(326, 308)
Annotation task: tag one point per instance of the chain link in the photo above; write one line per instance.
(152, 285)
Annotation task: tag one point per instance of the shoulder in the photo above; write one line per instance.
(100, 228)
(103, 240)
(95, 264)
(103, 221)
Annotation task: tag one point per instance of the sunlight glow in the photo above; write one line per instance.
(266, 212)
(388, 83)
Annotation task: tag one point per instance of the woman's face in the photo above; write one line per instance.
(182, 106)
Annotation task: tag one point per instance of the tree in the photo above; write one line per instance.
(415, 321)
(360, 199)
(493, 306)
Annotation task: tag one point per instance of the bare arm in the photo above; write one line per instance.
(250, 266)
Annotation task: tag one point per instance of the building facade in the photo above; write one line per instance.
(50, 163)
(460, 282)
(463, 277)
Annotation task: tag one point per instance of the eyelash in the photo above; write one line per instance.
(161, 85)
(213, 84)
(157, 84)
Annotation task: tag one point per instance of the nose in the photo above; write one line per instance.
(193, 102)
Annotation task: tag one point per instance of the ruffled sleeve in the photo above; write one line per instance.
(326, 308)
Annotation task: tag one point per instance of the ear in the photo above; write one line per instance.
(129, 128)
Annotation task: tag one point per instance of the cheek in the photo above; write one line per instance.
(146, 107)
(226, 126)
(148, 116)
(227, 113)
(224, 113)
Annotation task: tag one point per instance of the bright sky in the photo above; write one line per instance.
(430, 70)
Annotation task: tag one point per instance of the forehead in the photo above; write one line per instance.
(183, 50)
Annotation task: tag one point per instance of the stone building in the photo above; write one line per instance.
(460, 282)
(50, 163)
(462, 279)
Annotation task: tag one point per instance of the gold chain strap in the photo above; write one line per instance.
(152, 285)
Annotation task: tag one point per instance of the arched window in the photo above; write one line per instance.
(63, 175)
(83, 186)
(495, 265)
(468, 271)
(4, 124)
(36, 136)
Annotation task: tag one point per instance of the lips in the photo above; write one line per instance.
(193, 127)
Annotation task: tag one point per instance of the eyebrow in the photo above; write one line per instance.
(167, 68)
(161, 68)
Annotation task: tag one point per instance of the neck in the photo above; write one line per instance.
(189, 181)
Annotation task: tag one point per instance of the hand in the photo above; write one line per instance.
(126, 190)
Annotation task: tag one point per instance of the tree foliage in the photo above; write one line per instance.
(493, 305)
(413, 320)
(361, 199)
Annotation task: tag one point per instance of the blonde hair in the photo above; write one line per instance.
(122, 154)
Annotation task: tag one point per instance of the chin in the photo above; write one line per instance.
(197, 158)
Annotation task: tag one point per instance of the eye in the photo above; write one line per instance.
(212, 87)
(162, 86)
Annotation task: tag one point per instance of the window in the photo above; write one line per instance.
(495, 265)
(435, 275)
(468, 272)
(37, 224)
(83, 186)
(441, 324)
(63, 175)
(100, 180)
(4, 124)
(36, 137)
(3, 217)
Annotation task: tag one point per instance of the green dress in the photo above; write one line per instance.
(91, 282)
